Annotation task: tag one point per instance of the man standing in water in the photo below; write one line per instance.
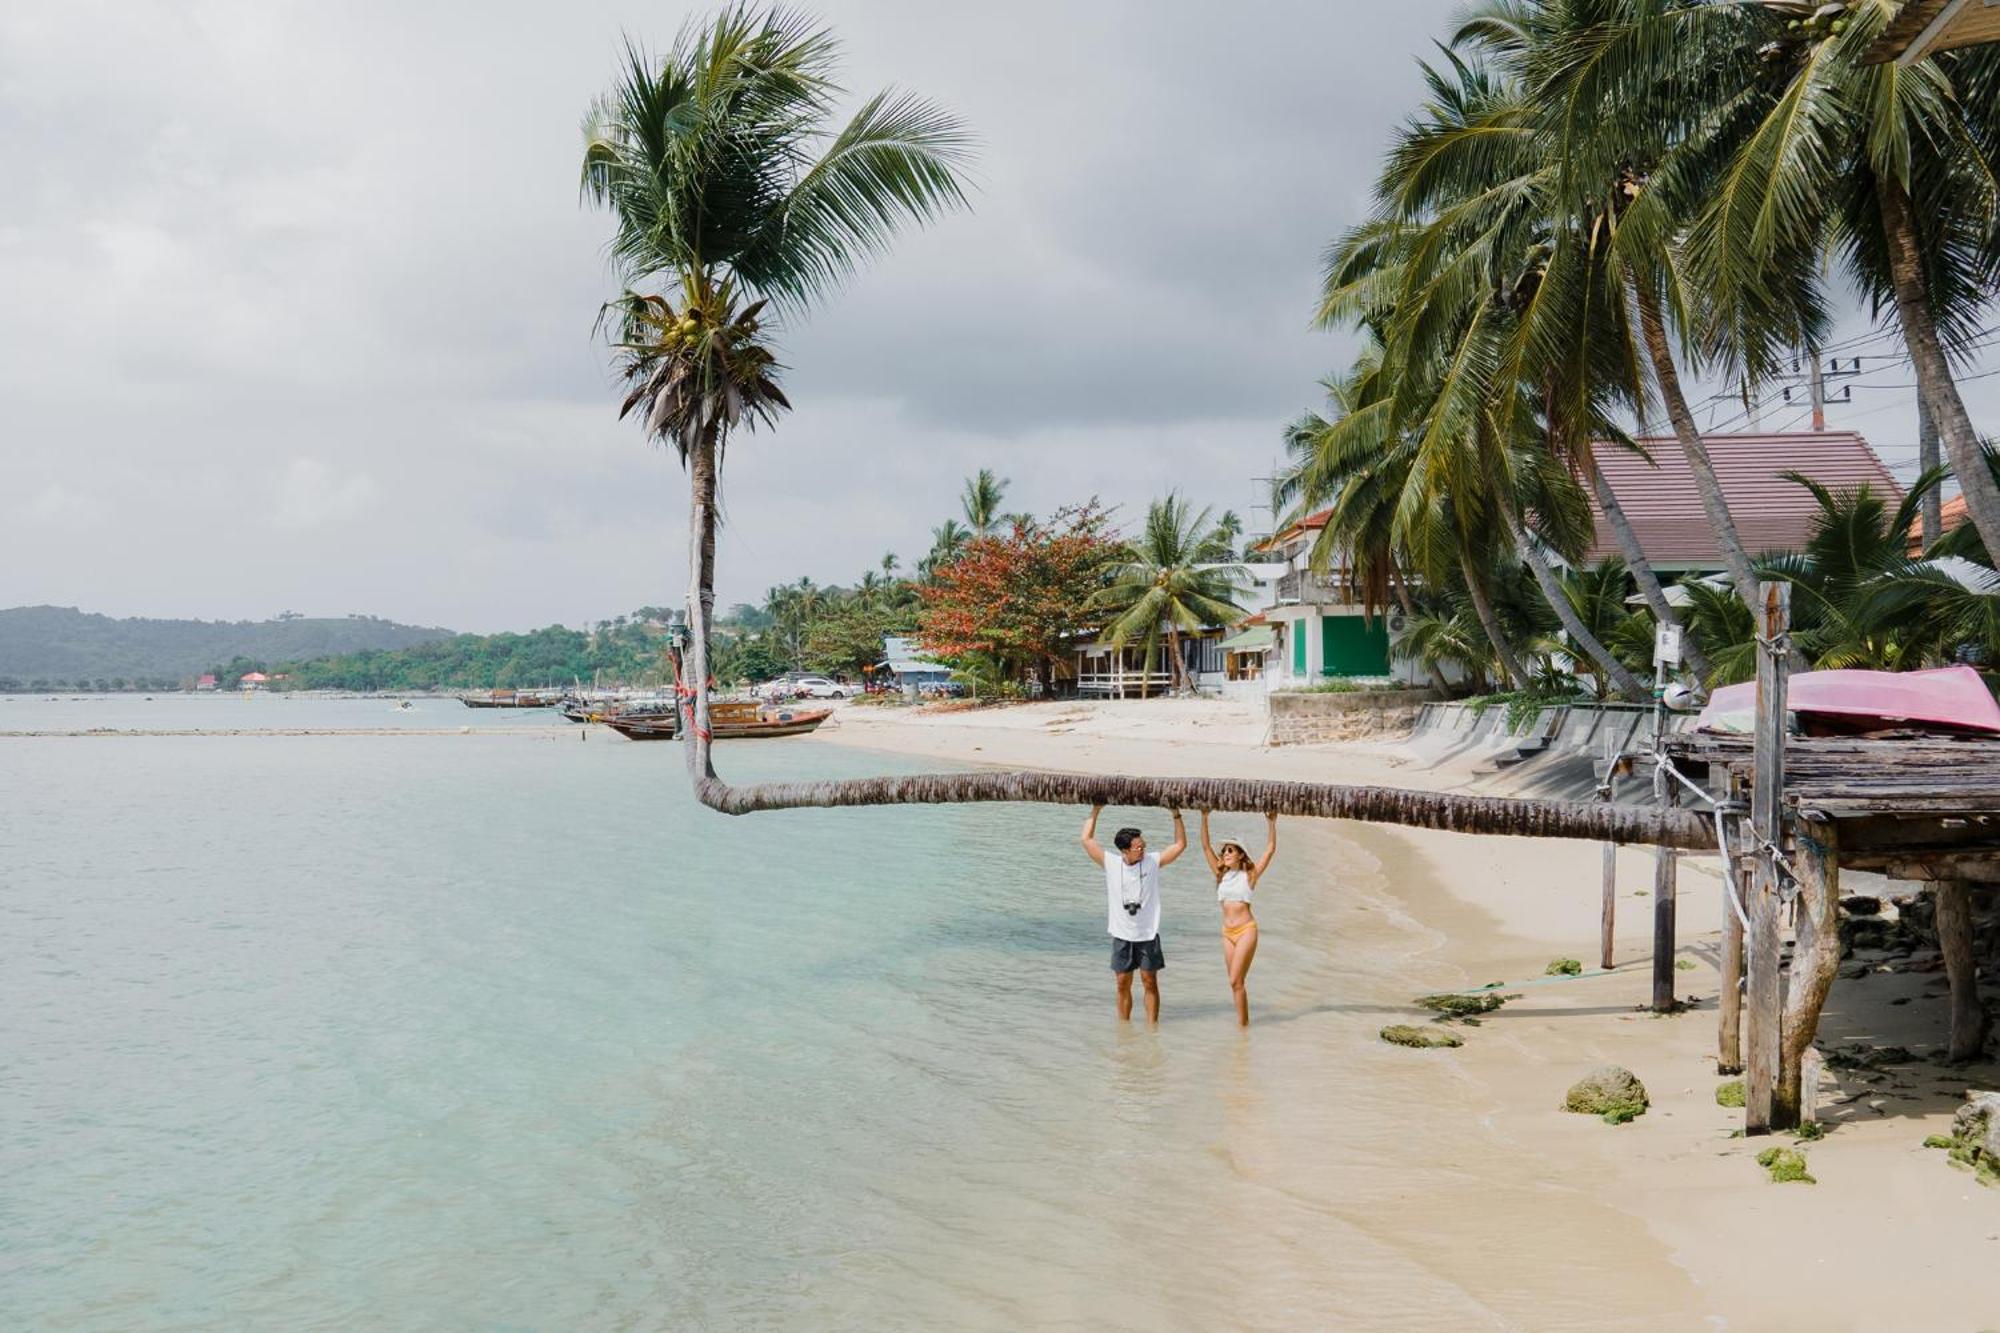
(1132, 884)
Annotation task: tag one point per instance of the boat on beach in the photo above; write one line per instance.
(730, 720)
(511, 698)
(1949, 699)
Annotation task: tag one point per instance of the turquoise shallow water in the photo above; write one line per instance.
(502, 1031)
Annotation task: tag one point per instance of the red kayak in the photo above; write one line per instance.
(1952, 698)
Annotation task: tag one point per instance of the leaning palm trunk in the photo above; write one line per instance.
(1735, 560)
(1616, 673)
(1482, 607)
(1935, 385)
(1587, 820)
(1640, 566)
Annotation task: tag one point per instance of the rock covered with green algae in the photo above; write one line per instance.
(1404, 1034)
(1730, 1093)
(1611, 1092)
(1563, 967)
(1974, 1141)
(1449, 1005)
(1786, 1165)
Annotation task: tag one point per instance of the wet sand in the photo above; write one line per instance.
(1455, 1189)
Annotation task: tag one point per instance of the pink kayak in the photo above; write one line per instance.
(1951, 697)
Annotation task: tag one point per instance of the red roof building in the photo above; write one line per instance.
(1659, 497)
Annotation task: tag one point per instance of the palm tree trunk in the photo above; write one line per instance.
(695, 731)
(1590, 821)
(1616, 673)
(1653, 329)
(1932, 518)
(1402, 592)
(1482, 607)
(1935, 385)
(1177, 672)
(1636, 561)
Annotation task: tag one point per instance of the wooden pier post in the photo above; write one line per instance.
(1665, 870)
(1815, 960)
(1729, 1027)
(1953, 901)
(1767, 789)
(1607, 942)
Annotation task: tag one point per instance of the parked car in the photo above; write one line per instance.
(808, 687)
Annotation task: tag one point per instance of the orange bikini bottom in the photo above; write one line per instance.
(1237, 932)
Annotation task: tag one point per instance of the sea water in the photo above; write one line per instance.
(502, 1030)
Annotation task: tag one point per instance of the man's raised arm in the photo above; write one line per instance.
(1090, 835)
(1172, 854)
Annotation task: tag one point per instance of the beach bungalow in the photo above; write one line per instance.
(1105, 672)
(253, 680)
(907, 667)
(1318, 625)
(205, 683)
(1772, 513)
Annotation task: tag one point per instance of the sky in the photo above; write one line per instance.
(299, 298)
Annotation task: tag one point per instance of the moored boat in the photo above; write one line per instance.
(730, 720)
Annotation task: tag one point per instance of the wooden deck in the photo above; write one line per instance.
(1918, 806)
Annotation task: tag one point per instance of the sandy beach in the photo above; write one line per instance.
(1523, 1216)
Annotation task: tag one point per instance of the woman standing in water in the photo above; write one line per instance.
(1236, 879)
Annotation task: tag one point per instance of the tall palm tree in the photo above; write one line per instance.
(731, 184)
(984, 493)
(947, 540)
(1461, 265)
(1906, 158)
(1171, 581)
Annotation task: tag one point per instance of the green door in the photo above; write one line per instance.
(1298, 631)
(1353, 646)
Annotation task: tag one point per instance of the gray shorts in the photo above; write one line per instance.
(1139, 956)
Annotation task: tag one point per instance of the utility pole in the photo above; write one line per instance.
(1815, 377)
(1927, 458)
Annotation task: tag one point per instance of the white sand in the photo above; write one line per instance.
(1556, 1220)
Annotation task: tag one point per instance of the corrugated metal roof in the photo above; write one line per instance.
(1771, 513)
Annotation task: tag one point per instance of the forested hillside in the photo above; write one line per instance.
(64, 648)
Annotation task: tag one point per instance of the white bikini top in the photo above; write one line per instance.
(1234, 887)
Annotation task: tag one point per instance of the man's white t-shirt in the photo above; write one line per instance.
(1124, 882)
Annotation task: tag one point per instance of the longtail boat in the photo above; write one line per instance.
(1951, 698)
(730, 721)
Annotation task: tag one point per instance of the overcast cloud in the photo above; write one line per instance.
(299, 297)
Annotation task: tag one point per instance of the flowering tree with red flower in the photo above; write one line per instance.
(1019, 597)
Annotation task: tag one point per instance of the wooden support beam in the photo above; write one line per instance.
(1767, 787)
(1954, 927)
(1729, 1029)
(1665, 863)
(1608, 915)
(1815, 960)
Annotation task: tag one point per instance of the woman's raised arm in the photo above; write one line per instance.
(1270, 849)
(1208, 848)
